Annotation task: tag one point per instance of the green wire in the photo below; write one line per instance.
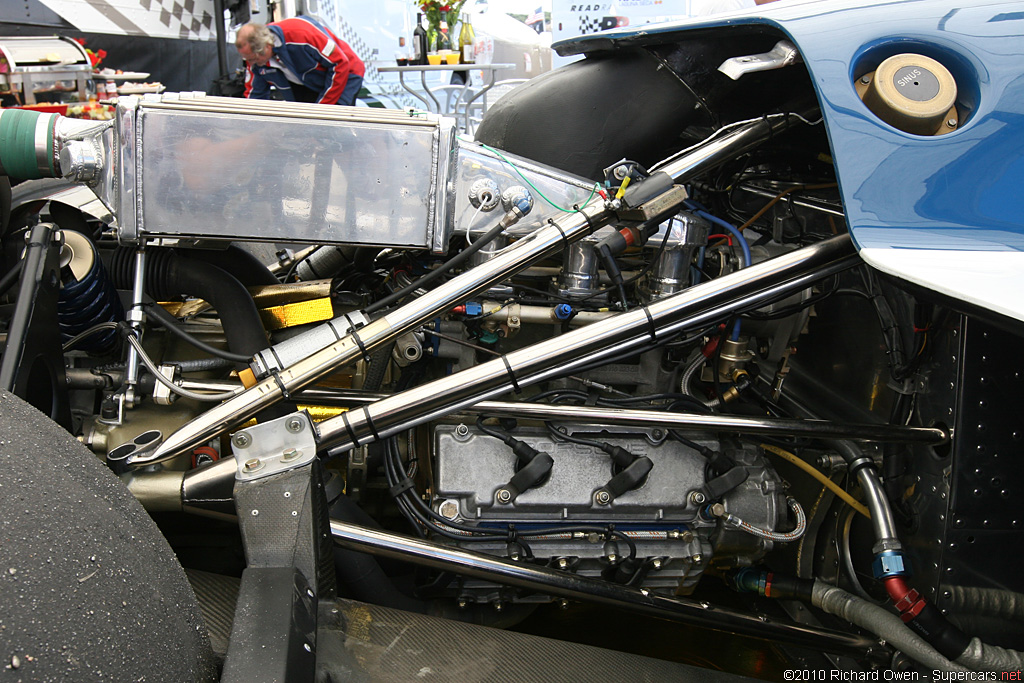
(593, 190)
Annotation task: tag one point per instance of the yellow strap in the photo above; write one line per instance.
(300, 313)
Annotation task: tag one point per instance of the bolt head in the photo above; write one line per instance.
(449, 509)
(613, 558)
(498, 607)
(698, 558)
(697, 498)
(294, 425)
(461, 430)
(241, 440)
(951, 123)
(656, 563)
(463, 603)
(602, 497)
(686, 536)
(504, 496)
(562, 563)
(253, 465)
(290, 454)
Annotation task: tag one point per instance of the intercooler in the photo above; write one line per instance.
(184, 169)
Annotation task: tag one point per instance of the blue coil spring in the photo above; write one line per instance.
(88, 302)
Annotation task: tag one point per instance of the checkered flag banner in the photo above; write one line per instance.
(593, 24)
(187, 19)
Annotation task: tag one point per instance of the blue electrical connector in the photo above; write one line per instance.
(563, 311)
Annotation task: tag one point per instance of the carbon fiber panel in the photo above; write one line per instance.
(359, 642)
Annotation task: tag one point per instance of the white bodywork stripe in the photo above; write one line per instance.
(989, 279)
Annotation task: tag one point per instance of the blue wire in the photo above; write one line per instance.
(735, 331)
(733, 231)
(743, 245)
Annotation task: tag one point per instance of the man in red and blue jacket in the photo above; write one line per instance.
(302, 59)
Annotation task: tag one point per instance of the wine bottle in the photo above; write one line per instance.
(444, 41)
(467, 41)
(419, 41)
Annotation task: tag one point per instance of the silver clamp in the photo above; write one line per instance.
(783, 54)
(290, 351)
(273, 447)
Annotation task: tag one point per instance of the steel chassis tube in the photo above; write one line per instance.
(732, 143)
(704, 303)
(510, 261)
(811, 428)
(575, 587)
(352, 347)
(821, 429)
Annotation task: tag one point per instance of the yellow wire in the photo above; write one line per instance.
(828, 483)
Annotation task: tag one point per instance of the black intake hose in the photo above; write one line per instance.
(169, 275)
(245, 267)
(360, 572)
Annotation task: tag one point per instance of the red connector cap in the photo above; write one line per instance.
(907, 600)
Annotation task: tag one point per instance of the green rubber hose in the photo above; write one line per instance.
(19, 156)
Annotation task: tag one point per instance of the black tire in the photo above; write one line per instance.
(587, 115)
(91, 589)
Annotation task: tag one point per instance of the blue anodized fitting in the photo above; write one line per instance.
(563, 311)
(889, 563)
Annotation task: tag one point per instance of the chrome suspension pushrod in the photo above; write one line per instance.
(737, 291)
(575, 587)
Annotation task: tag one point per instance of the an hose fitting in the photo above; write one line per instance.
(772, 585)
(890, 563)
(517, 202)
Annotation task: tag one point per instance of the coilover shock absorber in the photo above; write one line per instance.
(87, 295)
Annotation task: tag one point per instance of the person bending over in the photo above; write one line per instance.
(302, 59)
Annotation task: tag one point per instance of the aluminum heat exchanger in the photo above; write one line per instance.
(186, 168)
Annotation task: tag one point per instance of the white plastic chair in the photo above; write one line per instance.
(451, 98)
(480, 106)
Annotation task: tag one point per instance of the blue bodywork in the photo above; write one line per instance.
(958, 192)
